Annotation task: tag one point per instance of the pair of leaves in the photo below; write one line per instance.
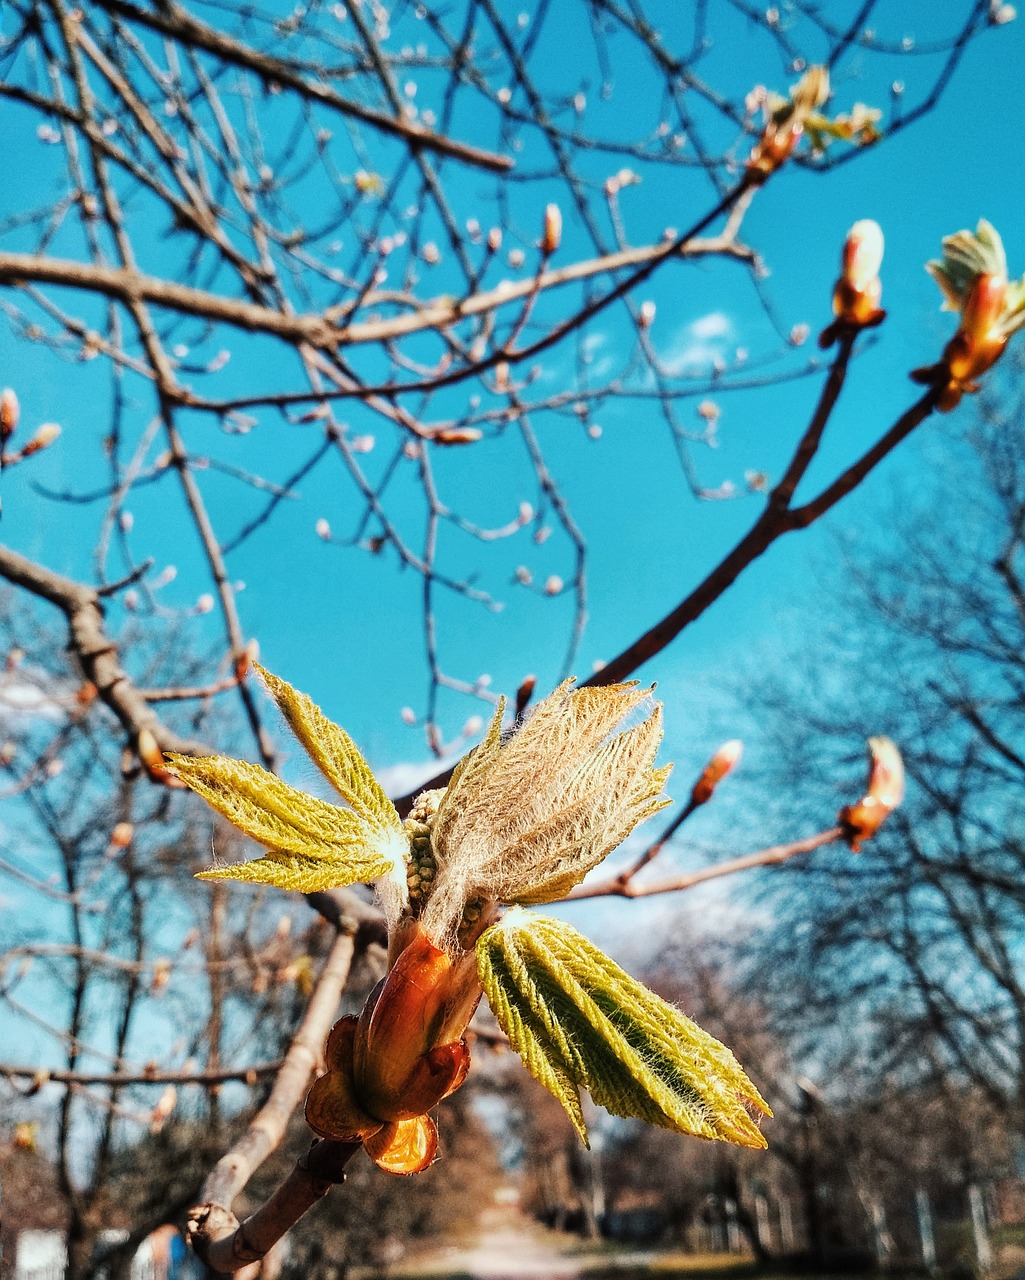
(577, 1019)
(311, 844)
(967, 255)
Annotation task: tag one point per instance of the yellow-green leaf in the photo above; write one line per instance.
(294, 871)
(577, 1019)
(333, 752)
(289, 822)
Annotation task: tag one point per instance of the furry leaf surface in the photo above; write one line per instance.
(333, 752)
(578, 1020)
(313, 844)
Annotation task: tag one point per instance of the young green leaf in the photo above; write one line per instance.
(302, 832)
(577, 1019)
(296, 872)
(333, 752)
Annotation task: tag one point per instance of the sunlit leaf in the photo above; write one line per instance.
(577, 1019)
(333, 752)
(313, 844)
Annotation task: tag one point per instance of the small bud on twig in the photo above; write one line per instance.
(10, 412)
(723, 762)
(857, 292)
(552, 237)
(884, 793)
(524, 693)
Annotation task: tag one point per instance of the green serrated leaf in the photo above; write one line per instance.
(288, 821)
(577, 1019)
(296, 872)
(333, 752)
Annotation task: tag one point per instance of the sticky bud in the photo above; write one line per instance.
(495, 239)
(152, 760)
(43, 438)
(245, 660)
(86, 693)
(121, 836)
(456, 435)
(10, 412)
(25, 1136)
(524, 693)
(884, 793)
(552, 237)
(723, 762)
(858, 291)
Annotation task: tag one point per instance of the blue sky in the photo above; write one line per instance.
(345, 625)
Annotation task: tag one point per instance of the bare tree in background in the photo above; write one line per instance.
(901, 970)
(277, 248)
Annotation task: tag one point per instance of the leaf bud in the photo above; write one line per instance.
(723, 762)
(552, 237)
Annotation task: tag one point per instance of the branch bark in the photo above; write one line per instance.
(219, 1239)
(96, 653)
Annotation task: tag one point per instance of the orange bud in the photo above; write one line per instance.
(524, 694)
(723, 762)
(162, 1111)
(552, 237)
(884, 793)
(408, 1051)
(859, 289)
(10, 412)
(456, 435)
(25, 1136)
(152, 760)
(43, 438)
(86, 693)
(121, 836)
(978, 344)
(246, 658)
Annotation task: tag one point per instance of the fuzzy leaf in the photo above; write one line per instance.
(966, 256)
(333, 752)
(468, 776)
(577, 1019)
(313, 844)
(296, 872)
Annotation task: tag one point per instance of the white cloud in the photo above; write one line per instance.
(715, 325)
(700, 344)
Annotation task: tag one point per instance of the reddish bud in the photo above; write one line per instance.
(456, 435)
(723, 762)
(121, 836)
(10, 412)
(552, 237)
(884, 793)
(524, 694)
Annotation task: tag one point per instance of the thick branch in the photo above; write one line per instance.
(325, 331)
(96, 652)
(216, 1235)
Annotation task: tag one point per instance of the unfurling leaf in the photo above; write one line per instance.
(577, 1019)
(334, 753)
(313, 844)
(525, 820)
